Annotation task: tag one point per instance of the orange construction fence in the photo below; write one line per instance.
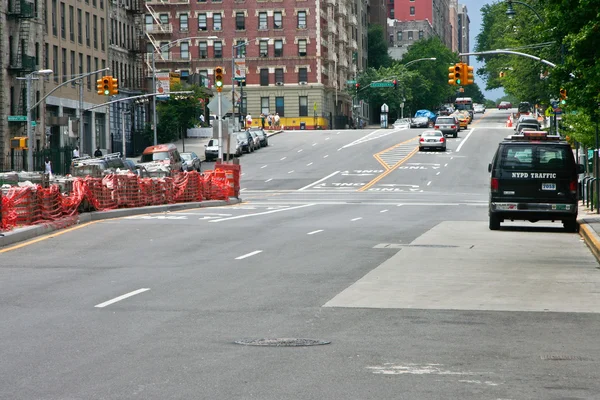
(34, 204)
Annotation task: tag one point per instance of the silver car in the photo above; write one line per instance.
(448, 125)
(432, 140)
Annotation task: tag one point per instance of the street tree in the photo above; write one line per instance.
(378, 49)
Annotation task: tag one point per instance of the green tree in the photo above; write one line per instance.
(378, 50)
(179, 113)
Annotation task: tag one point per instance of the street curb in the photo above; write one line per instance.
(591, 238)
(274, 133)
(30, 232)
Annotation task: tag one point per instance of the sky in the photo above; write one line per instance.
(474, 11)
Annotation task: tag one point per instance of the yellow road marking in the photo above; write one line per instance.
(389, 171)
(50, 236)
(383, 163)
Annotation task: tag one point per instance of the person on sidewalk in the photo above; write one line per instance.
(48, 167)
(262, 120)
(270, 121)
(276, 120)
(98, 152)
(248, 121)
(76, 152)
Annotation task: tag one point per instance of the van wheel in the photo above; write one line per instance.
(570, 225)
(494, 222)
(455, 135)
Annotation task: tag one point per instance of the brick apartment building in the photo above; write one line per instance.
(299, 57)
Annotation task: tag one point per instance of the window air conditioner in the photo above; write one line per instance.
(279, 83)
(302, 82)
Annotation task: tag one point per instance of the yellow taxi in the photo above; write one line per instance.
(463, 119)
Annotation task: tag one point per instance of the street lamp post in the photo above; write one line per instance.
(233, 48)
(420, 59)
(166, 46)
(510, 12)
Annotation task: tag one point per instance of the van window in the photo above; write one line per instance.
(159, 156)
(535, 158)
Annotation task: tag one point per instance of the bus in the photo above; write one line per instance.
(464, 103)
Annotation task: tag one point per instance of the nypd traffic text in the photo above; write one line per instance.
(534, 175)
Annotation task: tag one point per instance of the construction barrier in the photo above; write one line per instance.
(34, 204)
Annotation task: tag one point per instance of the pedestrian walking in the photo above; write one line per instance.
(48, 167)
(248, 121)
(76, 152)
(262, 120)
(270, 121)
(276, 120)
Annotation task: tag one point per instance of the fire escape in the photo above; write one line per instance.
(158, 28)
(138, 49)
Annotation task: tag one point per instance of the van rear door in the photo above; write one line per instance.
(537, 173)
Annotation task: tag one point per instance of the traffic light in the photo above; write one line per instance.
(563, 96)
(395, 82)
(219, 79)
(458, 73)
(114, 85)
(451, 77)
(242, 83)
(99, 86)
(103, 85)
(470, 78)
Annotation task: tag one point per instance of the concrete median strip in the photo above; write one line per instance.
(590, 237)
(35, 231)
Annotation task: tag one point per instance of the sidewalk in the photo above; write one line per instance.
(589, 229)
(196, 145)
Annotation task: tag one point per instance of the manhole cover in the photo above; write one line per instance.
(562, 357)
(282, 342)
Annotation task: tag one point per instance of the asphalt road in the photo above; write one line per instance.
(351, 237)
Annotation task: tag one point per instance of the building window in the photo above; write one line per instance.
(218, 48)
(279, 106)
(302, 47)
(79, 28)
(301, 19)
(279, 75)
(55, 62)
(303, 103)
(87, 29)
(95, 32)
(264, 48)
(217, 22)
(391, 39)
(63, 21)
(96, 66)
(202, 22)
(72, 66)
(164, 19)
(54, 21)
(46, 56)
(164, 50)
(392, 13)
(264, 77)
(102, 4)
(80, 64)
(183, 22)
(93, 3)
(102, 34)
(64, 65)
(240, 21)
(278, 48)
(241, 50)
(89, 69)
(302, 74)
(262, 20)
(399, 36)
(264, 105)
(202, 47)
(185, 51)
(421, 34)
(412, 11)
(71, 23)
(410, 35)
(277, 20)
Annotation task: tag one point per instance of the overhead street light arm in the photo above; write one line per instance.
(77, 77)
(420, 59)
(510, 12)
(135, 97)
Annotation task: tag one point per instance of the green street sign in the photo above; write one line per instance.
(382, 84)
(33, 123)
(350, 82)
(17, 118)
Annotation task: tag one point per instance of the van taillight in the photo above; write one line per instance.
(573, 187)
(494, 184)
(437, 127)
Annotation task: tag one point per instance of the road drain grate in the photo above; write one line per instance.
(562, 357)
(282, 342)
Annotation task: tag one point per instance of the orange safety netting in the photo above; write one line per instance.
(35, 204)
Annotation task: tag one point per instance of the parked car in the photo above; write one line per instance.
(422, 119)
(262, 136)
(99, 166)
(447, 125)
(211, 150)
(165, 154)
(255, 139)
(402, 123)
(432, 139)
(246, 141)
(191, 162)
